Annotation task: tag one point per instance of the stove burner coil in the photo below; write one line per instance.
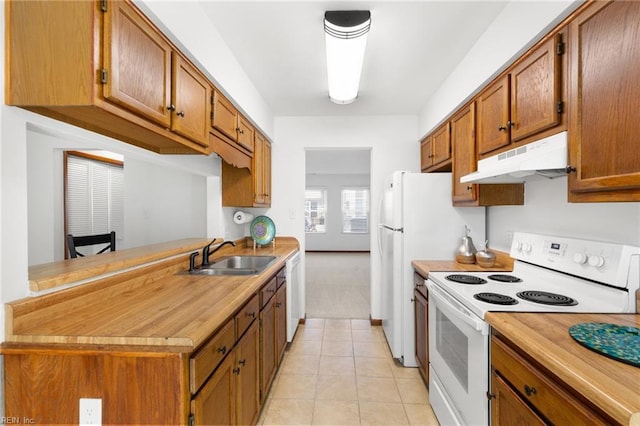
(466, 279)
(504, 278)
(496, 298)
(545, 298)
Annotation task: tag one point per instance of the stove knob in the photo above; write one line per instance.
(596, 261)
(526, 247)
(580, 258)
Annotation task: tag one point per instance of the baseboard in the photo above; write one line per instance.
(375, 322)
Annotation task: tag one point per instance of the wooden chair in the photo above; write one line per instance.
(89, 240)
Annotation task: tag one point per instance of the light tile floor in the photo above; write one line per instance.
(340, 372)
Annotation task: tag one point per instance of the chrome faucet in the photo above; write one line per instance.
(206, 253)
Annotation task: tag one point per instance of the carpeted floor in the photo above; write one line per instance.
(338, 285)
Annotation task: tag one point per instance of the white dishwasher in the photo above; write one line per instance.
(293, 296)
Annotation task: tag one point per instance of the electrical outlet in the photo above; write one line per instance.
(90, 411)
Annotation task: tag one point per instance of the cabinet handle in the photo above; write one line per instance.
(501, 128)
(222, 350)
(270, 290)
(239, 130)
(430, 156)
(236, 371)
(511, 124)
(529, 390)
(490, 395)
(251, 314)
(570, 169)
(469, 187)
(413, 299)
(171, 107)
(180, 114)
(278, 304)
(242, 362)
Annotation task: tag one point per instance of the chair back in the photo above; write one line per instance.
(90, 240)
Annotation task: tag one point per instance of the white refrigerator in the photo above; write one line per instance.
(417, 222)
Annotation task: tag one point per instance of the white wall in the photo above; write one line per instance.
(334, 239)
(546, 211)
(392, 140)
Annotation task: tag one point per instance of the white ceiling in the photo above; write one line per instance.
(412, 48)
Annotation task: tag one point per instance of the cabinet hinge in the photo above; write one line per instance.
(192, 421)
(560, 107)
(103, 5)
(560, 48)
(104, 74)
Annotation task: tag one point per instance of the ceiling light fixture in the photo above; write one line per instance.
(346, 40)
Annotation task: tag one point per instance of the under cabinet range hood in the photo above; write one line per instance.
(546, 157)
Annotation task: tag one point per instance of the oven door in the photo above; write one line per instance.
(459, 361)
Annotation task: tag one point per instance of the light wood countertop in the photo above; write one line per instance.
(503, 263)
(50, 275)
(609, 384)
(153, 306)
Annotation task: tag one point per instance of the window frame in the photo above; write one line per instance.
(343, 211)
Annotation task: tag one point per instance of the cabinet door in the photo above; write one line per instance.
(138, 63)
(464, 153)
(191, 102)
(267, 345)
(281, 322)
(215, 403)
(258, 170)
(604, 65)
(535, 91)
(426, 153)
(422, 334)
(493, 117)
(225, 116)
(266, 175)
(246, 133)
(507, 408)
(441, 150)
(247, 377)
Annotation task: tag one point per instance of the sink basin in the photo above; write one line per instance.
(236, 265)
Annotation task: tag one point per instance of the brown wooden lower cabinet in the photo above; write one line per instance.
(421, 318)
(273, 336)
(523, 394)
(220, 383)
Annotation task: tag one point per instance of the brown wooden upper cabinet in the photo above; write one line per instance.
(249, 187)
(231, 123)
(604, 124)
(262, 171)
(104, 66)
(524, 102)
(435, 149)
(463, 141)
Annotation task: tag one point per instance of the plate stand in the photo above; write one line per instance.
(256, 245)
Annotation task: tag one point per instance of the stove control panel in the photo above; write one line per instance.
(595, 260)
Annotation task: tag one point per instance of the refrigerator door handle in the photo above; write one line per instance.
(392, 229)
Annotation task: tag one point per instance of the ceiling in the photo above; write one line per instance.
(411, 49)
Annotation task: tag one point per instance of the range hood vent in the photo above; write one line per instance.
(546, 157)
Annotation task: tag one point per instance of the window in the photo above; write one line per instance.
(355, 211)
(315, 210)
(94, 200)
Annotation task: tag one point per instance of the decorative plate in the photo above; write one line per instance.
(619, 342)
(262, 230)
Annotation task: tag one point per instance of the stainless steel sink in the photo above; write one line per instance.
(236, 265)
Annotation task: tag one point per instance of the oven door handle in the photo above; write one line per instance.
(456, 309)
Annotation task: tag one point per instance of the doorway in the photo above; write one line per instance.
(337, 233)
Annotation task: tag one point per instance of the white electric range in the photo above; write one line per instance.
(550, 274)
